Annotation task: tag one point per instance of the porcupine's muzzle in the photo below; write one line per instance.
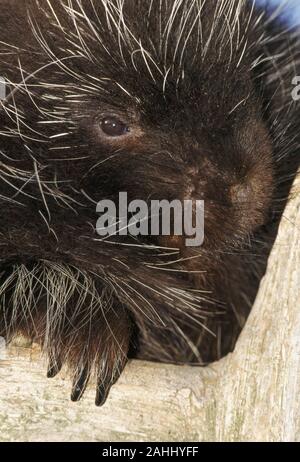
(225, 206)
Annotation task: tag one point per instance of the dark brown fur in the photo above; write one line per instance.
(213, 122)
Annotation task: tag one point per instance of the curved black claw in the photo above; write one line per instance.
(102, 394)
(54, 367)
(80, 382)
(104, 384)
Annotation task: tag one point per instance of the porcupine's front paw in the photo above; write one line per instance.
(99, 350)
(76, 321)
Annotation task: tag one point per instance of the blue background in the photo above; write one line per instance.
(291, 9)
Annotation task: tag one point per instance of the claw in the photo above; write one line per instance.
(54, 367)
(104, 386)
(102, 393)
(80, 383)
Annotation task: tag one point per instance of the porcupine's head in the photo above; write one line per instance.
(160, 99)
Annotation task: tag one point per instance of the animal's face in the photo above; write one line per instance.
(153, 106)
(195, 145)
(170, 124)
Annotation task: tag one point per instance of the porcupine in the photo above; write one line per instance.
(165, 99)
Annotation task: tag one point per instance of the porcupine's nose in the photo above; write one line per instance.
(206, 183)
(241, 193)
(251, 197)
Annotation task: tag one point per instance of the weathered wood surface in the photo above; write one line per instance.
(253, 394)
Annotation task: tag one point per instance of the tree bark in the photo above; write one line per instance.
(251, 395)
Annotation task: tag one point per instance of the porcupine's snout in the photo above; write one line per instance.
(235, 180)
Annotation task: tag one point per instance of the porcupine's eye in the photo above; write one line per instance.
(113, 127)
